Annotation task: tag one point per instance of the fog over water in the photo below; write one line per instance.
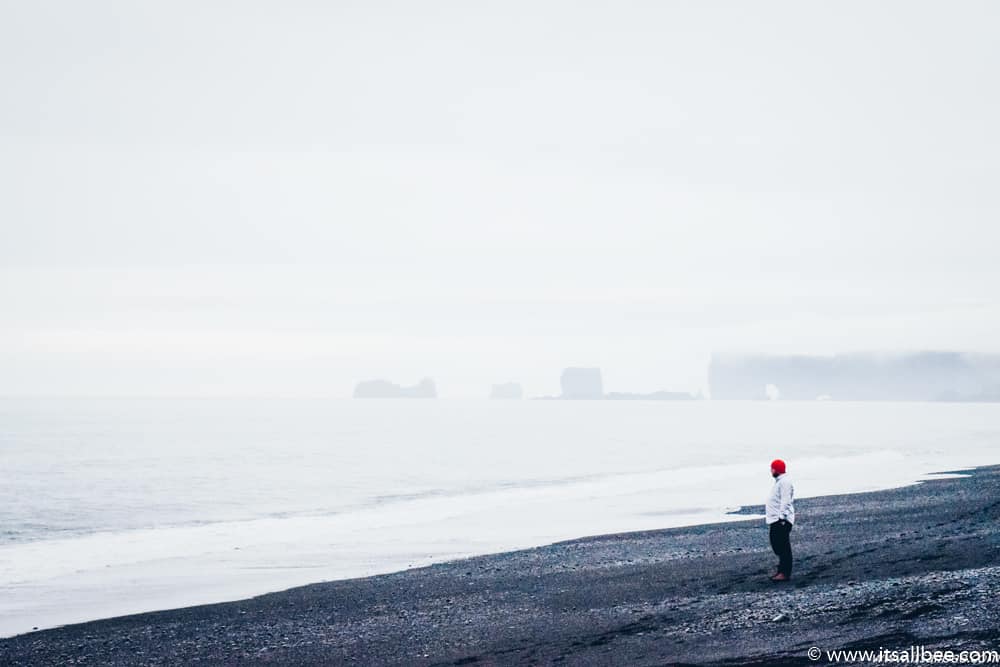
(219, 221)
(216, 199)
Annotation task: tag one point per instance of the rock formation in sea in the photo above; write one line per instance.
(385, 389)
(920, 376)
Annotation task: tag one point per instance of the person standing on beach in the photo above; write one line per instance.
(779, 513)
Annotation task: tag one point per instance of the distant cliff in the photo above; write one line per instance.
(506, 390)
(582, 383)
(385, 389)
(921, 376)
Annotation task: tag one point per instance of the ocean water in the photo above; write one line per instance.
(110, 507)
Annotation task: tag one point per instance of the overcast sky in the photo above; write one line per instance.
(283, 198)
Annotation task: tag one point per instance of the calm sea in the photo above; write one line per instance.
(110, 507)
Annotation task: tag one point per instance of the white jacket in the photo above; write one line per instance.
(780, 505)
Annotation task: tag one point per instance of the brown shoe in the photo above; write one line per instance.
(779, 577)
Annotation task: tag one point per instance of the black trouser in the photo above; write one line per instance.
(780, 532)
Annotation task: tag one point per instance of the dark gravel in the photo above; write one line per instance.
(889, 569)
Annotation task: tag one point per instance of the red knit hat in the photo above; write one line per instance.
(778, 466)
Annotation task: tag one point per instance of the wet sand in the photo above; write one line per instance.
(889, 569)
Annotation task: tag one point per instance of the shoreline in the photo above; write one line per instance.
(695, 594)
(214, 580)
(120, 575)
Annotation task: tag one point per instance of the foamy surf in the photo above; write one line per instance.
(442, 515)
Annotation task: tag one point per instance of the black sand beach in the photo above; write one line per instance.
(890, 569)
